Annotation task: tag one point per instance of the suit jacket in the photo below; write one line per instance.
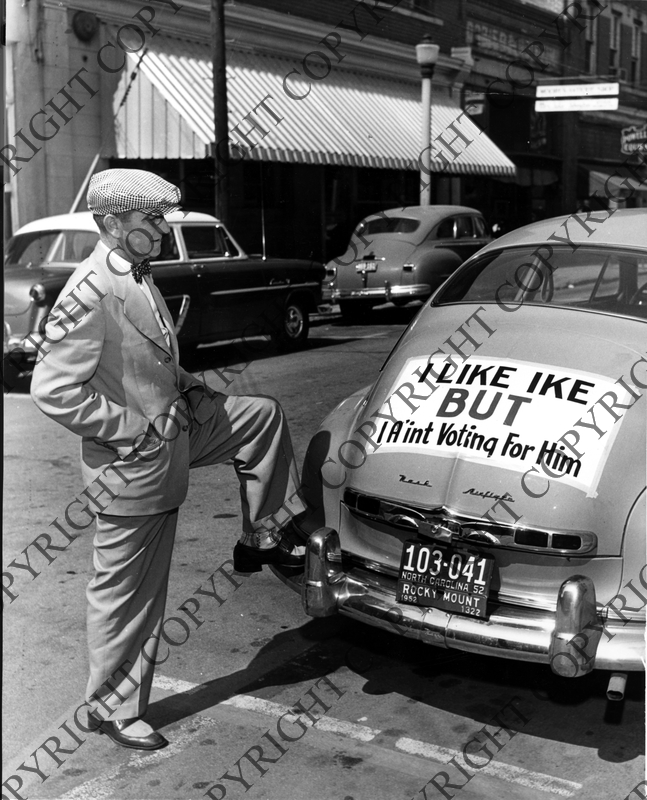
(106, 373)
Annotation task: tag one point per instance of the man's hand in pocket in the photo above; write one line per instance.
(150, 443)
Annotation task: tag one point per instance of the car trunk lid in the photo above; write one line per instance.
(370, 265)
(444, 476)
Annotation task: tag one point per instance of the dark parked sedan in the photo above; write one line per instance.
(402, 254)
(214, 291)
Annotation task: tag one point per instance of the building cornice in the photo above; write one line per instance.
(264, 31)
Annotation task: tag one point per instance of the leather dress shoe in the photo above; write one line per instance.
(114, 730)
(252, 559)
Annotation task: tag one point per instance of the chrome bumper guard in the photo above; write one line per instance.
(566, 639)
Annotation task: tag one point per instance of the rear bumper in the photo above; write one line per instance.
(573, 640)
(382, 293)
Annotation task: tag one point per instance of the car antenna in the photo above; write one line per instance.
(260, 164)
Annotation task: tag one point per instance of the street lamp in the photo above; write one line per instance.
(426, 56)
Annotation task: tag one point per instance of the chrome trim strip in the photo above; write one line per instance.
(266, 288)
(373, 566)
(415, 290)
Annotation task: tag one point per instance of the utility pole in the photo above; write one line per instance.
(221, 146)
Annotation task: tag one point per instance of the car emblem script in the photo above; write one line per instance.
(404, 479)
(490, 495)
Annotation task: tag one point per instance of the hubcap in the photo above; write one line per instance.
(293, 322)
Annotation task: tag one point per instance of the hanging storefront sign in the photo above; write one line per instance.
(578, 90)
(578, 97)
(538, 139)
(634, 139)
(474, 103)
(578, 104)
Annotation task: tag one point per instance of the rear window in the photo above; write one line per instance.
(388, 225)
(464, 228)
(43, 247)
(479, 227)
(598, 279)
(207, 241)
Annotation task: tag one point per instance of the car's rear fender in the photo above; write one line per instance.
(324, 474)
(634, 570)
(433, 266)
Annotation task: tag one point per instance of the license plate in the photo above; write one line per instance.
(366, 266)
(445, 577)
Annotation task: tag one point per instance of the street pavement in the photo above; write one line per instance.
(393, 713)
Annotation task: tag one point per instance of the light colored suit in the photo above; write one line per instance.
(108, 374)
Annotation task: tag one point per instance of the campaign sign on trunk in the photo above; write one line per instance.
(501, 412)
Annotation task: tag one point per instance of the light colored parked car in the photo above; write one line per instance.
(402, 254)
(487, 493)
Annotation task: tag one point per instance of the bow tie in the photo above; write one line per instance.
(139, 270)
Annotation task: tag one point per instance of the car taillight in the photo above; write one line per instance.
(37, 293)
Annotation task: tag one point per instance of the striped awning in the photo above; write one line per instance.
(348, 118)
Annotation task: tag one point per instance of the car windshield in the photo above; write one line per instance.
(45, 247)
(387, 225)
(610, 280)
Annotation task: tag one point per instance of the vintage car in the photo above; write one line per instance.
(402, 254)
(213, 289)
(487, 492)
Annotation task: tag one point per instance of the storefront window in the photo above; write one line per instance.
(421, 6)
(614, 50)
(636, 38)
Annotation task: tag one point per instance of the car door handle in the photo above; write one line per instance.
(279, 281)
(197, 267)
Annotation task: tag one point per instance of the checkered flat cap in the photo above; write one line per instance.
(115, 191)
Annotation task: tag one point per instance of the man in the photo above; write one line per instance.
(111, 374)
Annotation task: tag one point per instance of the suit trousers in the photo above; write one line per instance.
(132, 555)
